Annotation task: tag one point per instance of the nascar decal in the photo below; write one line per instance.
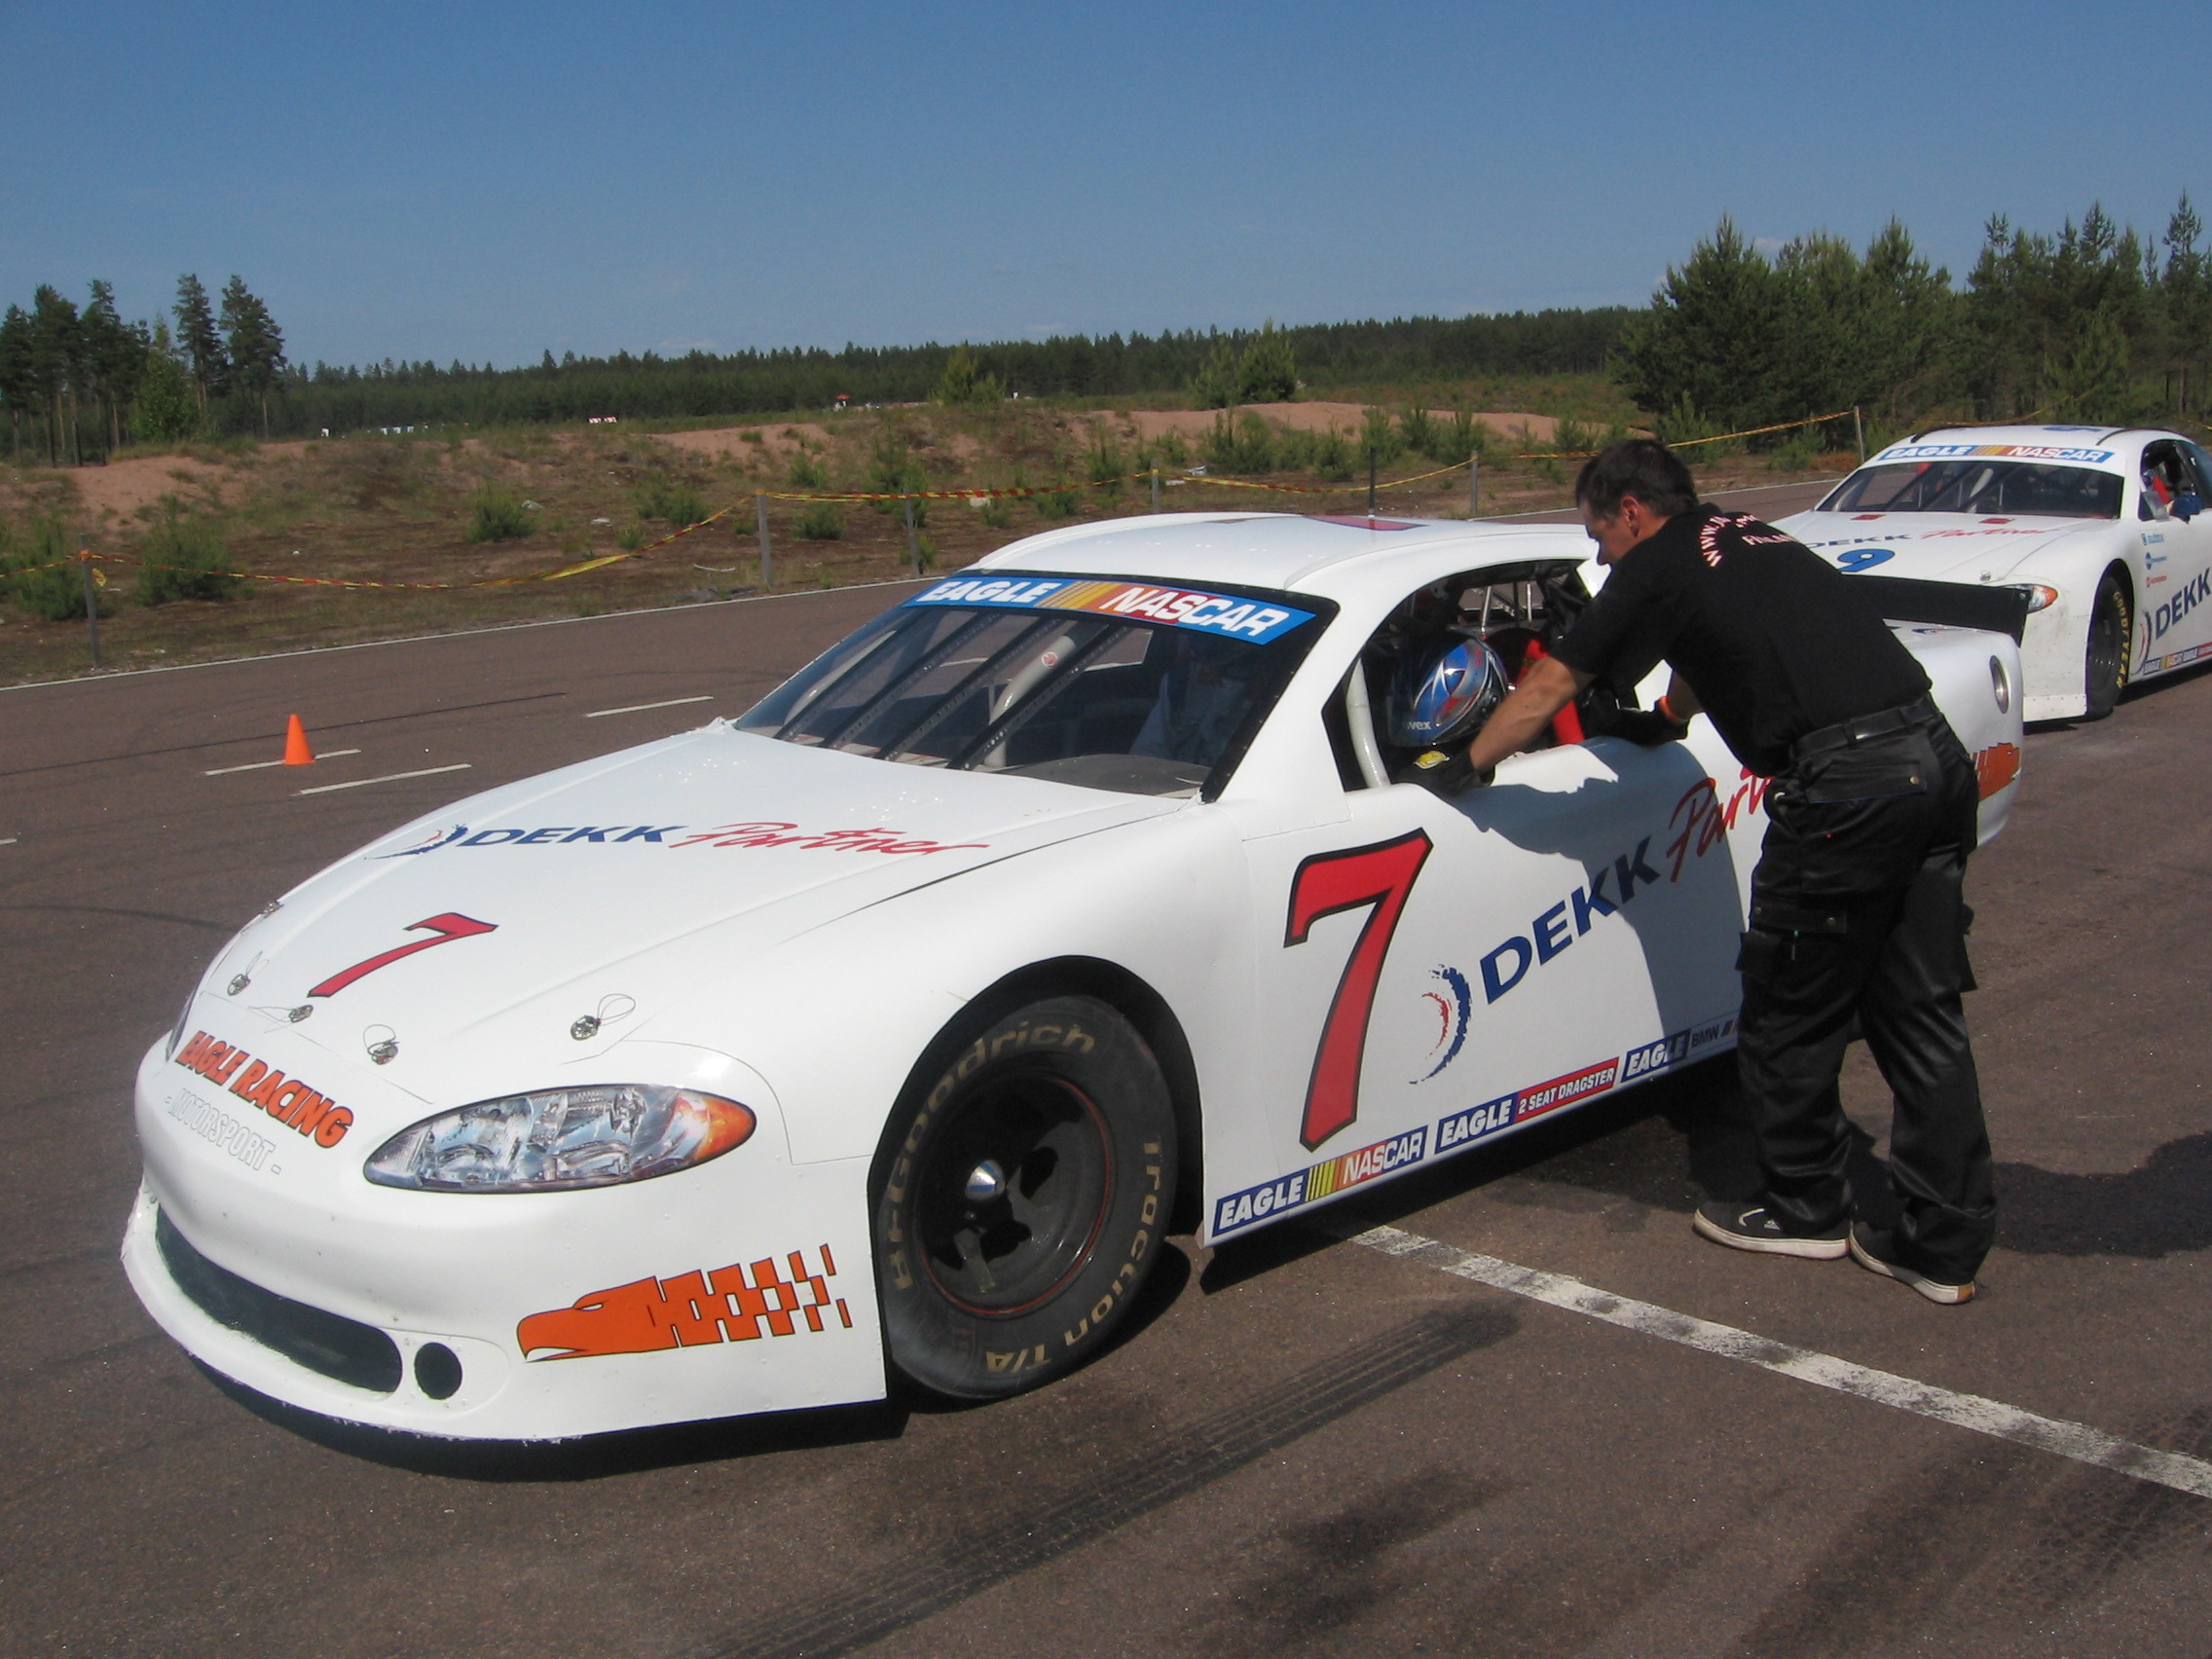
(1508, 963)
(1330, 1176)
(1994, 767)
(2011, 452)
(295, 1104)
(752, 832)
(2159, 665)
(736, 1304)
(1683, 1046)
(1702, 819)
(1464, 1128)
(1454, 1003)
(1219, 613)
(443, 930)
(2180, 604)
(1380, 876)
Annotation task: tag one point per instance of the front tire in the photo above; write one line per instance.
(1021, 1199)
(2112, 633)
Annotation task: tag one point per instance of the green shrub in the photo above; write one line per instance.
(807, 473)
(1249, 446)
(671, 501)
(893, 470)
(820, 522)
(166, 410)
(963, 383)
(496, 513)
(997, 512)
(185, 559)
(1800, 452)
(1381, 438)
(1108, 464)
(42, 575)
(1058, 502)
(1572, 438)
(631, 537)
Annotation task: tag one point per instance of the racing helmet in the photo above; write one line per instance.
(1442, 692)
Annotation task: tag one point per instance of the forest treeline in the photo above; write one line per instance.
(2092, 322)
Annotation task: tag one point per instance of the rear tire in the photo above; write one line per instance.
(2112, 635)
(1021, 1199)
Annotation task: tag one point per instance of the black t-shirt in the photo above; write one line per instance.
(1774, 640)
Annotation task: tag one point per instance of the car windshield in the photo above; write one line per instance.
(2015, 488)
(1111, 685)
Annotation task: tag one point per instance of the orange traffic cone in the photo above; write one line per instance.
(296, 749)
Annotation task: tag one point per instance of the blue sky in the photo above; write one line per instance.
(488, 181)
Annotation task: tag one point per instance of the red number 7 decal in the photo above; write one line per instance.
(1380, 876)
(446, 928)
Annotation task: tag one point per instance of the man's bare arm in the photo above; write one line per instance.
(1547, 688)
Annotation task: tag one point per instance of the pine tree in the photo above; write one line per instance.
(114, 357)
(55, 353)
(2186, 287)
(253, 343)
(18, 383)
(168, 409)
(199, 341)
(1267, 371)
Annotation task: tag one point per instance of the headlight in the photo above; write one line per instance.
(183, 1018)
(561, 1138)
(2040, 597)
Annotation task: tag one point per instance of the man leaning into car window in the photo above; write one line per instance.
(1856, 908)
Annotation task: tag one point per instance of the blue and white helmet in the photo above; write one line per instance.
(1442, 692)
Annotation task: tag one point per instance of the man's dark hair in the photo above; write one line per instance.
(1642, 468)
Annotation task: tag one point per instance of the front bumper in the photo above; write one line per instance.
(744, 1285)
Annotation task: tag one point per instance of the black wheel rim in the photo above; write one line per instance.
(1012, 1190)
(2108, 649)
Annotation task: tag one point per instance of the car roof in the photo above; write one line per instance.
(2107, 448)
(1332, 557)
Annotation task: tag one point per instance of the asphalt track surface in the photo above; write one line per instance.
(1305, 1445)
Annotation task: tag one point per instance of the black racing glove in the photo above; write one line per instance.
(1647, 726)
(1444, 773)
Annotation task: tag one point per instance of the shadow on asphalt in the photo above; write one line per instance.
(2162, 1207)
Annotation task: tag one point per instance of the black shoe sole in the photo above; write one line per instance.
(1808, 1249)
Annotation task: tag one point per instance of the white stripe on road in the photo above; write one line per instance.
(8, 842)
(2075, 1439)
(390, 778)
(264, 765)
(640, 708)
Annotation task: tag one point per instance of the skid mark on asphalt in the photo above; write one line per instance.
(2075, 1439)
(1996, 1539)
(867, 1609)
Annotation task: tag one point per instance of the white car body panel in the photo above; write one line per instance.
(2167, 561)
(791, 928)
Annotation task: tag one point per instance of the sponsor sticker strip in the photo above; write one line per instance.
(737, 1303)
(2179, 659)
(1222, 615)
(2011, 452)
(1458, 1129)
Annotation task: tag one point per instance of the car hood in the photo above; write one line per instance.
(1935, 547)
(589, 899)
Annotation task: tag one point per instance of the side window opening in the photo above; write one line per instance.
(1520, 611)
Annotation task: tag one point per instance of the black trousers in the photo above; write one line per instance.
(1858, 914)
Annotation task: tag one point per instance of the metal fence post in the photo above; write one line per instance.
(92, 598)
(1859, 431)
(1371, 481)
(913, 538)
(1474, 483)
(1155, 489)
(767, 551)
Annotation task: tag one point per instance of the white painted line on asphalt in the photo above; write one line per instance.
(8, 840)
(640, 708)
(391, 777)
(264, 765)
(2075, 1439)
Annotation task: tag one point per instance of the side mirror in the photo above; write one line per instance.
(2187, 505)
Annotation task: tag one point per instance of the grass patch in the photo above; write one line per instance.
(671, 501)
(821, 522)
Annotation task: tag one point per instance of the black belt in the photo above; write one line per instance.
(1885, 723)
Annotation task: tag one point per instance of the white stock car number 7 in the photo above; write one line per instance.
(1380, 876)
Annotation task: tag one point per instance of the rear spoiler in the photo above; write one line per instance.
(1994, 608)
